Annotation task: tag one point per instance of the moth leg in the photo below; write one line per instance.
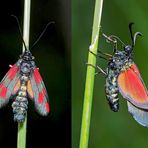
(106, 54)
(99, 68)
(112, 39)
(99, 56)
(109, 38)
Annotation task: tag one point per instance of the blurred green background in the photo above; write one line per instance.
(108, 129)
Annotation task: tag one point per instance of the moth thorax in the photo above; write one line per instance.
(126, 66)
(25, 68)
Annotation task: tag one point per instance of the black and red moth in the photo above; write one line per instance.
(123, 76)
(21, 82)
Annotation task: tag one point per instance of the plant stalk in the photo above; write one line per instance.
(90, 74)
(21, 137)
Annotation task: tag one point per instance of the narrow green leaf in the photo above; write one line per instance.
(21, 138)
(88, 95)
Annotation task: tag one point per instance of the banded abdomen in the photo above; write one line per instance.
(111, 89)
(20, 105)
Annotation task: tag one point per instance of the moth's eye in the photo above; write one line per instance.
(128, 48)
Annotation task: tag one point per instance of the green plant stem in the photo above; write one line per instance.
(86, 117)
(26, 26)
(21, 137)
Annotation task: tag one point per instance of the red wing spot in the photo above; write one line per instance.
(37, 76)
(47, 107)
(12, 72)
(40, 98)
(3, 92)
(1, 85)
(12, 75)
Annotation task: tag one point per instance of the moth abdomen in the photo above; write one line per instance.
(112, 91)
(20, 105)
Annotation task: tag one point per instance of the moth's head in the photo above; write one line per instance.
(128, 49)
(27, 56)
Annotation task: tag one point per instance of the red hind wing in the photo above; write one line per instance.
(37, 92)
(132, 88)
(8, 84)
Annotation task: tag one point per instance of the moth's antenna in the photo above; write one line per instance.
(135, 37)
(42, 34)
(20, 30)
(131, 33)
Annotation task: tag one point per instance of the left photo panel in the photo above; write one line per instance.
(35, 74)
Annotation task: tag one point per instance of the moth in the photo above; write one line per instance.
(123, 76)
(21, 82)
(24, 81)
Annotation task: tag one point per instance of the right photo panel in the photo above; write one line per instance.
(109, 74)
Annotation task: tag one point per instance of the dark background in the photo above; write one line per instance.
(108, 129)
(52, 55)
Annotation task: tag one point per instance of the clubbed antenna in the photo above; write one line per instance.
(135, 35)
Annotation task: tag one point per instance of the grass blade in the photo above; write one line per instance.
(21, 138)
(86, 117)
